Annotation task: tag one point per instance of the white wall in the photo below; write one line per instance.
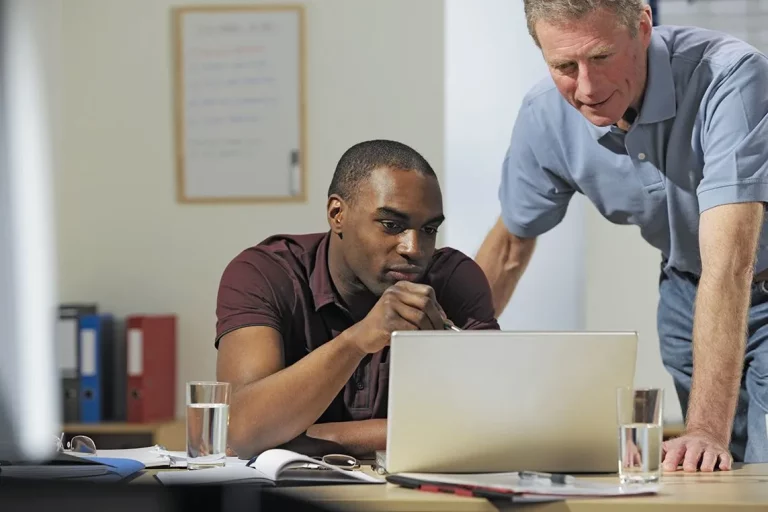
(745, 19)
(374, 70)
(490, 63)
(622, 294)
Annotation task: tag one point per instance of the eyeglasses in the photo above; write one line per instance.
(79, 444)
(339, 460)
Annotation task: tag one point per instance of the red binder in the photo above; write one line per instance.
(151, 367)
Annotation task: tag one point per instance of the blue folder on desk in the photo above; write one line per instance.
(94, 469)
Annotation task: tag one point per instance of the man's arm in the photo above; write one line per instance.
(728, 237)
(357, 437)
(503, 258)
(272, 404)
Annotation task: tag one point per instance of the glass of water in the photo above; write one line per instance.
(207, 421)
(640, 434)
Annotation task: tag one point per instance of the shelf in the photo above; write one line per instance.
(119, 435)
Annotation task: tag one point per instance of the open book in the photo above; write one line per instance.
(510, 486)
(274, 467)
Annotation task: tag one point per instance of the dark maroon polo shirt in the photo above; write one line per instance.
(284, 283)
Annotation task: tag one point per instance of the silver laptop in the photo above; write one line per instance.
(492, 401)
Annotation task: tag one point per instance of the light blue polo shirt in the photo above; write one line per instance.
(699, 141)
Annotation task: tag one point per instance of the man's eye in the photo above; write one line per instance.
(600, 57)
(430, 230)
(565, 68)
(392, 227)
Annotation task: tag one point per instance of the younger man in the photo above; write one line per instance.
(304, 321)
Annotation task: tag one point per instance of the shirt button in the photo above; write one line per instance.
(360, 386)
(641, 156)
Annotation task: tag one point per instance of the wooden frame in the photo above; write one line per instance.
(179, 104)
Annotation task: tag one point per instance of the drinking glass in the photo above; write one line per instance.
(207, 421)
(639, 414)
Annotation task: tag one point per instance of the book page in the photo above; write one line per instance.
(226, 474)
(272, 462)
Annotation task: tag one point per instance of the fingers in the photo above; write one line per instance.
(693, 453)
(422, 298)
(692, 449)
(413, 317)
(726, 461)
(709, 460)
(423, 289)
(673, 457)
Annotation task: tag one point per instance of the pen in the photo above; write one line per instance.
(555, 478)
(450, 326)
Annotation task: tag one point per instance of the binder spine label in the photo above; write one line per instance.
(88, 352)
(135, 352)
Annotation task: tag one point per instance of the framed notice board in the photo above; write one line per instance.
(239, 103)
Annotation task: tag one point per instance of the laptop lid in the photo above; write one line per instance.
(487, 401)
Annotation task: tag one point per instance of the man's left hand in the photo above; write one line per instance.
(695, 447)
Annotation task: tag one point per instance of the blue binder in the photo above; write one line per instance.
(96, 354)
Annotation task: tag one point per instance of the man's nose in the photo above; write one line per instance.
(410, 246)
(587, 84)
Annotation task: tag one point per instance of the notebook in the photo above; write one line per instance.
(276, 467)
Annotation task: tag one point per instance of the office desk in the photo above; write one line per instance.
(743, 489)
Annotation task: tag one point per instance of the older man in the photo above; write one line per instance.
(664, 128)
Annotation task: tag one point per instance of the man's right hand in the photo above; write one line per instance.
(404, 306)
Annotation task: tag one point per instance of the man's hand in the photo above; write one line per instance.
(693, 447)
(403, 306)
(631, 456)
(728, 239)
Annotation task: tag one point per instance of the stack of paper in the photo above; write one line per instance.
(154, 457)
(151, 457)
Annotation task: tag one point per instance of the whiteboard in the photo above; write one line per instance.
(239, 103)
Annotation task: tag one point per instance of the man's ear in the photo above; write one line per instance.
(336, 210)
(646, 25)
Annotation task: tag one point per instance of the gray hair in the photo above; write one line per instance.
(559, 11)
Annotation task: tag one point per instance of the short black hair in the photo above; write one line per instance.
(357, 163)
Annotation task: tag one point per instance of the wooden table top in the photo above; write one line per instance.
(744, 489)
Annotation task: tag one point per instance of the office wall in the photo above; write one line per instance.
(622, 294)
(745, 19)
(490, 63)
(374, 70)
